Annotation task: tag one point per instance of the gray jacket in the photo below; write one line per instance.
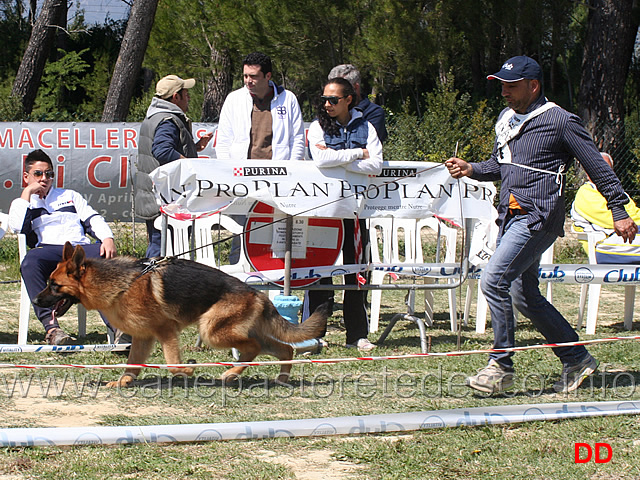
(178, 126)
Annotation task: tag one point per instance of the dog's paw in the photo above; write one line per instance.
(182, 372)
(124, 381)
(229, 378)
(283, 380)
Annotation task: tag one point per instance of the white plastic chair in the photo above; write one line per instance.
(408, 230)
(547, 259)
(4, 224)
(177, 240)
(593, 290)
(201, 249)
(450, 235)
(208, 252)
(379, 239)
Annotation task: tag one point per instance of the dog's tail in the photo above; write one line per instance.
(313, 327)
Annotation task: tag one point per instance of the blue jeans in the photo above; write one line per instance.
(155, 238)
(236, 241)
(511, 279)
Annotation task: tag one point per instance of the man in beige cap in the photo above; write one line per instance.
(165, 136)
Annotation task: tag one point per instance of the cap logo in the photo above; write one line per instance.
(507, 66)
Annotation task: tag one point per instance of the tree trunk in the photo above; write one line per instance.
(33, 5)
(611, 33)
(61, 35)
(218, 86)
(35, 56)
(127, 69)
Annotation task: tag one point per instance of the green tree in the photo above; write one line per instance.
(451, 124)
(61, 76)
(14, 34)
(27, 81)
(606, 62)
(130, 58)
(396, 49)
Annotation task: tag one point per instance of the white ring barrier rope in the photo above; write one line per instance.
(16, 348)
(385, 423)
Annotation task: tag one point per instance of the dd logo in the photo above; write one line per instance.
(590, 452)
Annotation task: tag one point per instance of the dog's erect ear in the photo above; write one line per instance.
(67, 251)
(78, 258)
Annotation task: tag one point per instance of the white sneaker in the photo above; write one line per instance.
(363, 344)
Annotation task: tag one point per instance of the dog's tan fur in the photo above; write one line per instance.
(158, 304)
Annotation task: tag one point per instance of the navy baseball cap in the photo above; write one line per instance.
(518, 68)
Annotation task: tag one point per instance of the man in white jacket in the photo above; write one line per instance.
(261, 120)
(49, 217)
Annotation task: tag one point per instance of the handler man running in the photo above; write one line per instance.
(535, 143)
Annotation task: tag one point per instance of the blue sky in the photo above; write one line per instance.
(97, 10)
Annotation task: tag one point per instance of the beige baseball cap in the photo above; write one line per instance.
(171, 84)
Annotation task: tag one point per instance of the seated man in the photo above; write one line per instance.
(589, 213)
(54, 216)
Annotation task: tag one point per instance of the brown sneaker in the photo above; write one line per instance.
(56, 336)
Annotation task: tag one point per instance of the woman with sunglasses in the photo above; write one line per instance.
(341, 137)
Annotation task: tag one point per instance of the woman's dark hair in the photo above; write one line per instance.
(330, 125)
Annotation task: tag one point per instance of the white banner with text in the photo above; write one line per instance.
(403, 190)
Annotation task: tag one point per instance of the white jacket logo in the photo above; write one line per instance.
(282, 111)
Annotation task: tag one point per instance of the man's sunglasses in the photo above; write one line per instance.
(331, 99)
(39, 173)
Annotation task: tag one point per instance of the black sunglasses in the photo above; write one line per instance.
(39, 173)
(331, 99)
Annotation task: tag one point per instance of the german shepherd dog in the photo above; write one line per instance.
(156, 304)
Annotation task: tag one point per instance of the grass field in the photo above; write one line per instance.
(538, 450)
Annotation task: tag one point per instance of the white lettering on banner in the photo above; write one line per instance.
(398, 172)
(252, 171)
(95, 159)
